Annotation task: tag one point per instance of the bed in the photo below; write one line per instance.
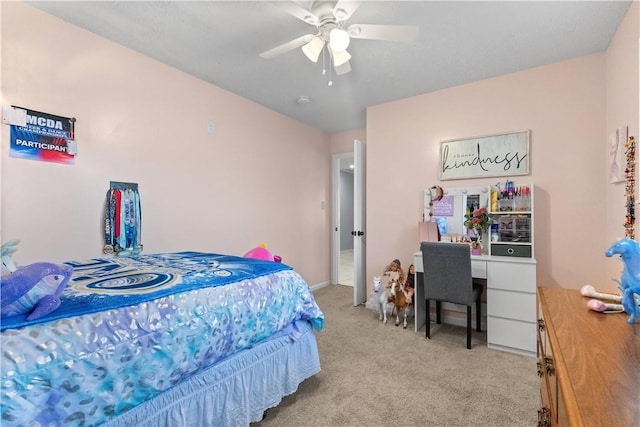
(175, 339)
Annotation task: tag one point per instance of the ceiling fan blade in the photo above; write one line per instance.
(286, 47)
(299, 12)
(344, 9)
(393, 33)
(343, 69)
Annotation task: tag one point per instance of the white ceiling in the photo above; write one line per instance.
(458, 42)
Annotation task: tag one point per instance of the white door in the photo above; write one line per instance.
(359, 224)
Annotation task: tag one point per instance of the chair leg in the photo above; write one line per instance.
(438, 312)
(427, 329)
(478, 315)
(468, 326)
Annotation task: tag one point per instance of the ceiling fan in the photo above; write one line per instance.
(330, 19)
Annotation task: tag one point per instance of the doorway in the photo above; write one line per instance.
(343, 239)
(357, 199)
(345, 275)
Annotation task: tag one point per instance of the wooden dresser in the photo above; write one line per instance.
(588, 363)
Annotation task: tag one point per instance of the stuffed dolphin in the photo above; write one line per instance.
(33, 289)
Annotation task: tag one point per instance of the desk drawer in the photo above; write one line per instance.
(522, 251)
(512, 276)
(511, 305)
(512, 334)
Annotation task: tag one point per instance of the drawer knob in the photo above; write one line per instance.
(548, 366)
(544, 417)
(539, 366)
(541, 326)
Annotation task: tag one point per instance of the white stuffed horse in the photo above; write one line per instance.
(381, 298)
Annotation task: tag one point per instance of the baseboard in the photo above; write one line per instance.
(453, 314)
(320, 285)
(512, 350)
(456, 314)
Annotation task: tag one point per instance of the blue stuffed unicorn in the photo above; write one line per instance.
(629, 251)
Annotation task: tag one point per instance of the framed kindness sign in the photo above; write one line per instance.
(485, 156)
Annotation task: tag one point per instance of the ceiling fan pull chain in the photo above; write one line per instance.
(330, 67)
(324, 67)
(329, 83)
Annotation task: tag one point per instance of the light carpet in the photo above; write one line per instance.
(382, 375)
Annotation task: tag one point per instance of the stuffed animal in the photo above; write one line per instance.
(629, 251)
(6, 250)
(33, 288)
(261, 252)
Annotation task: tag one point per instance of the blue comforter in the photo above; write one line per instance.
(105, 283)
(129, 329)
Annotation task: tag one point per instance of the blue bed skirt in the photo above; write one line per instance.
(237, 390)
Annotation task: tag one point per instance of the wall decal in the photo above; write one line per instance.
(616, 154)
(485, 156)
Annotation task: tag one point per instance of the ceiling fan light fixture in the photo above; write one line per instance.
(340, 58)
(313, 49)
(339, 40)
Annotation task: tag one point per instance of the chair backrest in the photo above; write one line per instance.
(447, 272)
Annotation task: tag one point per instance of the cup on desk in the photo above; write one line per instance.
(495, 233)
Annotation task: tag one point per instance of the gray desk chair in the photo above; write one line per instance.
(447, 277)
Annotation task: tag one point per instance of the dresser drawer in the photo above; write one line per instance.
(546, 368)
(548, 384)
(546, 402)
(541, 327)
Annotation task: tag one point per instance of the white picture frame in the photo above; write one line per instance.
(505, 154)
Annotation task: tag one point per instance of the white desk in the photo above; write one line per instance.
(511, 300)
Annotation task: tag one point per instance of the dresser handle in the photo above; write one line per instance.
(541, 324)
(539, 366)
(548, 366)
(544, 417)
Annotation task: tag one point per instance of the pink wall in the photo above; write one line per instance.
(343, 142)
(261, 177)
(564, 106)
(623, 109)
